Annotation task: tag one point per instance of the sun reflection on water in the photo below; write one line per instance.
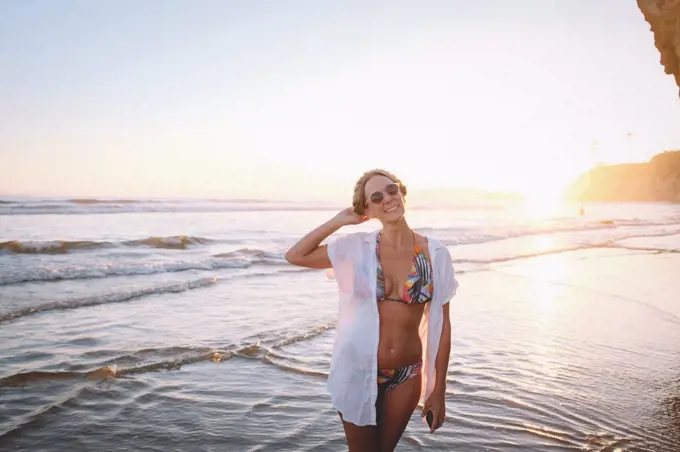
(545, 271)
(544, 305)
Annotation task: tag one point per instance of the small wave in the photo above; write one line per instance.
(310, 334)
(65, 246)
(88, 206)
(28, 209)
(260, 255)
(646, 245)
(263, 350)
(454, 236)
(214, 356)
(119, 297)
(23, 378)
(91, 201)
(103, 271)
(612, 243)
(649, 249)
(174, 358)
(49, 247)
(283, 365)
(457, 236)
(247, 201)
(172, 242)
(499, 260)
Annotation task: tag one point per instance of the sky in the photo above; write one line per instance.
(297, 99)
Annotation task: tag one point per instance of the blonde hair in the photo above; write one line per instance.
(359, 198)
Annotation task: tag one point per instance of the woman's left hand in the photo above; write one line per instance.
(437, 405)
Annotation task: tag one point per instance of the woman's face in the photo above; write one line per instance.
(384, 199)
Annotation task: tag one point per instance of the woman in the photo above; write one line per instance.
(394, 333)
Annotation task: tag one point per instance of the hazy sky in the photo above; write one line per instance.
(283, 98)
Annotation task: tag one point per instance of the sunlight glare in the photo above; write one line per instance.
(547, 270)
(541, 205)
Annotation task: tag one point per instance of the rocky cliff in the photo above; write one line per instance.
(656, 180)
(664, 19)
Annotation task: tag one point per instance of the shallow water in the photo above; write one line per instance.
(565, 329)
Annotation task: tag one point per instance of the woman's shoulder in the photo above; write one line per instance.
(349, 247)
(350, 240)
(431, 242)
(443, 264)
(356, 236)
(436, 247)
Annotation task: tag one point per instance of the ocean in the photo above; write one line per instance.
(176, 325)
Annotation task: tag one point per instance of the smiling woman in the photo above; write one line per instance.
(394, 332)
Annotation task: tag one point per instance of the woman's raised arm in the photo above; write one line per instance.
(307, 252)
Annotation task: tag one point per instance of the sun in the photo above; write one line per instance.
(545, 201)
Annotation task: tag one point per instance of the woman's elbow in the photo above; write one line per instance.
(292, 257)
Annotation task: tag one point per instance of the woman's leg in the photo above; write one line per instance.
(361, 439)
(398, 405)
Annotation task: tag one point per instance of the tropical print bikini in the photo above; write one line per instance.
(391, 378)
(418, 287)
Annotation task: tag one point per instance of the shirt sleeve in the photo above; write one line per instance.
(341, 253)
(338, 250)
(448, 280)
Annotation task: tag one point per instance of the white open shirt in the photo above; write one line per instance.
(353, 379)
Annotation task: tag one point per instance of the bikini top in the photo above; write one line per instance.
(418, 287)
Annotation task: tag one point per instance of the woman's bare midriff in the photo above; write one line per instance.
(400, 343)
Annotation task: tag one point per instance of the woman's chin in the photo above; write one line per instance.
(394, 216)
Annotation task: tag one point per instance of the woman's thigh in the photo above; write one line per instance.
(361, 439)
(396, 409)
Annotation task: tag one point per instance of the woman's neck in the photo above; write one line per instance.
(397, 234)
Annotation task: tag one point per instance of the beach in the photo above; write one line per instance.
(177, 325)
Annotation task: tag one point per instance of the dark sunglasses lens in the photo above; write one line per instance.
(377, 197)
(392, 189)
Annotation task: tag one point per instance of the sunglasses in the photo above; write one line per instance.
(391, 189)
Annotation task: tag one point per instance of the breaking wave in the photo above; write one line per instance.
(115, 297)
(66, 246)
(116, 364)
